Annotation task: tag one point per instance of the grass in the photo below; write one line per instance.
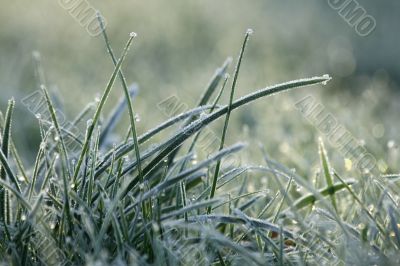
(101, 206)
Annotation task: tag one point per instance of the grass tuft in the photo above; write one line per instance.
(144, 202)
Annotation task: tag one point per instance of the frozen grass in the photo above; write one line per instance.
(151, 204)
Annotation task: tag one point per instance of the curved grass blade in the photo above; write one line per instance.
(123, 149)
(7, 168)
(356, 198)
(174, 180)
(209, 91)
(127, 98)
(230, 219)
(116, 114)
(394, 225)
(58, 129)
(100, 106)
(4, 196)
(228, 114)
(327, 191)
(5, 144)
(185, 133)
(191, 207)
(12, 188)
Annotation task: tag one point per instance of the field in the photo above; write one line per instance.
(199, 133)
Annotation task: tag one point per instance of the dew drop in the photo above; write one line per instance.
(23, 217)
(391, 144)
(362, 142)
(133, 34)
(38, 116)
(43, 145)
(52, 226)
(361, 226)
(251, 188)
(203, 115)
(21, 179)
(137, 118)
(89, 123)
(348, 164)
(156, 228)
(327, 77)
(249, 31)
(264, 180)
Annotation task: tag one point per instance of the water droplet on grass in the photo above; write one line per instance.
(249, 31)
(89, 123)
(137, 118)
(133, 34)
(203, 115)
(43, 145)
(327, 77)
(391, 144)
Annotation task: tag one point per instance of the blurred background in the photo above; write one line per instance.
(180, 44)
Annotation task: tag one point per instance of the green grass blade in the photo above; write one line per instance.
(327, 171)
(4, 197)
(228, 113)
(7, 168)
(60, 136)
(100, 106)
(168, 146)
(327, 191)
(127, 98)
(7, 133)
(174, 180)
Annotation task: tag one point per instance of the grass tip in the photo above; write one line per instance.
(133, 34)
(249, 31)
(327, 78)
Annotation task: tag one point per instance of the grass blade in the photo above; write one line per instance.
(185, 133)
(4, 197)
(127, 98)
(327, 171)
(228, 113)
(101, 105)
